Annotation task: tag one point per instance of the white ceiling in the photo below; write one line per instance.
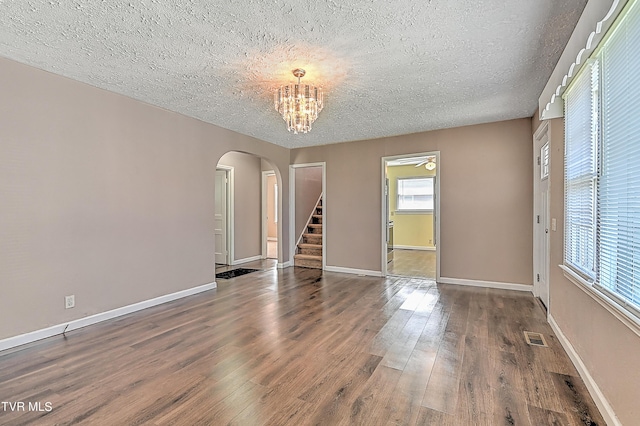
(387, 67)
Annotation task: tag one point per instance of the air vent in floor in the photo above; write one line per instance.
(535, 339)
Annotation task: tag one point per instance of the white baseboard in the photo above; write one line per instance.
(22, 339)
(246, 260)
(423, 248)
(284, 265)
(353, 271)
(487, 284)
(598, 397)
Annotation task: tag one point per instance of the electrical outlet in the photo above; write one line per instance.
(69, 301)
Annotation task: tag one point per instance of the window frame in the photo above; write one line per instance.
(628, 312)
(399, 210)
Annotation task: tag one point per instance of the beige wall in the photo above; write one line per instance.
(594, 332)
(247, 196)
(409, 229)
(307, 191)
(103, 197)
(486, 199)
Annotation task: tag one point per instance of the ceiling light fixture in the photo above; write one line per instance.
(299, 104)
(429, 163)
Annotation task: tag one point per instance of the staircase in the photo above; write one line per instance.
(309, 251)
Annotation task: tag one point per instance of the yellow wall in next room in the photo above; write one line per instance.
(410, 229)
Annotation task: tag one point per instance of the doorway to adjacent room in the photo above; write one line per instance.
(410, 226)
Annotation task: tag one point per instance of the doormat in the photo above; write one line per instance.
(235, 273)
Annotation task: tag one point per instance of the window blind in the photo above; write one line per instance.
(618, 213)
(415, 193)
(581, 130)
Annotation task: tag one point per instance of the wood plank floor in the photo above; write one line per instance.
(302, 347)
(413, 263)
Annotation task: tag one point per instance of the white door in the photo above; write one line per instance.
(220, 217)
(541, 217)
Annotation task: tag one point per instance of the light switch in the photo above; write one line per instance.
(553, 224)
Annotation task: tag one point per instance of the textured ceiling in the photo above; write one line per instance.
(387, 68)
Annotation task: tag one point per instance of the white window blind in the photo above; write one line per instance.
(581, 139)
(602, 165)
(619, 182)
(415, 193)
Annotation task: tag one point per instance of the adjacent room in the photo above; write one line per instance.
(292, 213)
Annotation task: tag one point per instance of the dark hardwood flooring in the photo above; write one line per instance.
(302, 347)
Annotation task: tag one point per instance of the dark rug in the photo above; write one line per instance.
(235, 273)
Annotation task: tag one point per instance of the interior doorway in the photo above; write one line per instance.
(243, 212)
(308, 215)
(223, 219)
(270, 215)
(542, 224)
(410, 210)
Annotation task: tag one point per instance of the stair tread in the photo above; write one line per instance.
(310, 245)
(307, 257)
(317, 215)
(315, 225)
(309, 234)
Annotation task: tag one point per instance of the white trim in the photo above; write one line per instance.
(284, 265)
(324, 216)
(353, 271)
(487, 284)
(436, 213)
(595, 20)
(421, 248)
(23, 339)
(609, 304)
(247, 260)
(292, 213)
(263, 212)
(598, 397)
(230, 211)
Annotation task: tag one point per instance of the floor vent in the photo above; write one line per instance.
(535, 339)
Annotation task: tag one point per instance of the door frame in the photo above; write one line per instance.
(384, 222)
(292, 209)
(540, 262)
(229, 211)
(265, 175)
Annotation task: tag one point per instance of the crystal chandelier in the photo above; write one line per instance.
(299, 104)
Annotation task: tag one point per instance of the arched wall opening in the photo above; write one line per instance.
(245, 228)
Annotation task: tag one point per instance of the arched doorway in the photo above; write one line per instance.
(241, 204)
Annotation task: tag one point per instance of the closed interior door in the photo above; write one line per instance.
(220, 218)
(542, 226)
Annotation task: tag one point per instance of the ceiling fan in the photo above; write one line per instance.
(429, 163)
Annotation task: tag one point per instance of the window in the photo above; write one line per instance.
(544, 161)
(602, 166)
(415, 193)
